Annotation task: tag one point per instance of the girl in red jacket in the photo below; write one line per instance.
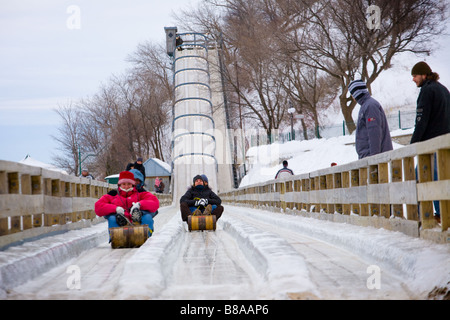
(127, 204)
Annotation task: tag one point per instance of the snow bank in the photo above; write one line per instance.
(303, 156)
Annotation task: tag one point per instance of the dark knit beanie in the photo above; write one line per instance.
(197, 177)
(421, 68)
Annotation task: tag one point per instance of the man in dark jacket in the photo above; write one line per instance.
(137, 165)
(372, 129)
(433, 111)
(433, 104)
(200, 199)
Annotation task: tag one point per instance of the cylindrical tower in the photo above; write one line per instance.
(193, 142)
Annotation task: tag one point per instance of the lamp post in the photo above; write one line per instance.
(291, 111)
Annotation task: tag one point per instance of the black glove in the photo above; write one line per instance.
(121, 219)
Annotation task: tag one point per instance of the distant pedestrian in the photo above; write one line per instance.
(372, 129)
(85, 174)
(284, 172)
(137, 165)
(159, 185)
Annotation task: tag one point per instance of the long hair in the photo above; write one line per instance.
(433, 76)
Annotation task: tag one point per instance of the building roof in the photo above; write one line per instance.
(156, 168)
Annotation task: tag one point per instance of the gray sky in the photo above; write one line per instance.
(55, 51)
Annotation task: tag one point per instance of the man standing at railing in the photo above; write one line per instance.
(372, 129)
(433, 111)
(284, 172)
(433, 104)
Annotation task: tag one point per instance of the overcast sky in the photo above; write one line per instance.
(54, 51)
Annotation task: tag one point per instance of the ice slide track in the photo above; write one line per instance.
(336, 272)
(238, 261)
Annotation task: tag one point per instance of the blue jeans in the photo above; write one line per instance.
(195, 208)
(147, 218)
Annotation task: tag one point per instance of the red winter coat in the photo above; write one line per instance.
(107, 204)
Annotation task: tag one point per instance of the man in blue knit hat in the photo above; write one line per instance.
(372, 129)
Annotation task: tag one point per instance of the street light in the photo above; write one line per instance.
(291, 111)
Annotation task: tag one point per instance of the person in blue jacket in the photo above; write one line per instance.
(372, 129)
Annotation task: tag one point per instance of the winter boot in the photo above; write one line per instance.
(136, 215)
(121, 220)
(197, 212)
(208, 210)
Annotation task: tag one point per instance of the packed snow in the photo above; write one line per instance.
(303, 156)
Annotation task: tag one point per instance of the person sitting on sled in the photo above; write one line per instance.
(140, 185)
(127, 205)
(200, 200)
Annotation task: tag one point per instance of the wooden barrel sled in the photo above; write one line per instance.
(128, 236)
(202, 223)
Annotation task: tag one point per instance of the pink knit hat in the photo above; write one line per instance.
(126, 177)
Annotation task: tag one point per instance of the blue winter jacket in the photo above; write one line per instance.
(372, 130)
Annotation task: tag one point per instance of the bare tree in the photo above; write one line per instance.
(128, 117)
(69, 137)
(152, 74)
(311, 92)
(251, 65)
(339, 41)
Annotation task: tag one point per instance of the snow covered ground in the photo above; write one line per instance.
(252, 255)
(303, 156)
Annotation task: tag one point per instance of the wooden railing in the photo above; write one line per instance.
(35, 201)
(384, 185)
(165, 199)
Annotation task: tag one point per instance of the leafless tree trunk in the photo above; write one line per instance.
(68, 138)
(127, 118)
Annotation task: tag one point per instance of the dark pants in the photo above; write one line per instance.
(186, 211)
(435, 178)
